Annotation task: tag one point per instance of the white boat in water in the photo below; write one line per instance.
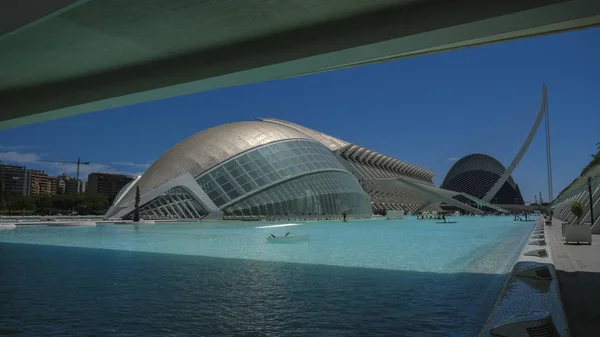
(289, 239)
(86, 223)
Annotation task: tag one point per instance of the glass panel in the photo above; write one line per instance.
(277, 165)
(217, 172)
(276, 147)
(273, 176)
(236, 172)
(264, 151)
(223, 179)
(310, 165)
(254, 155)
(271, 158)
(250, 166)
(288, 162)
(207, 183)
(219, 201)
(284, 172)
(267, 169)
(243, 159)
(228, 186)
(324, 194)
(261, 162)
(255, 174)
(303, 168)
(249, 187)
(261, 181)
(230, 165)
(178, 204)
(214, 194)
(234, 193)
(242, 179)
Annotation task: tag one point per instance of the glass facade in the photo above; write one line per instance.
(174, 204)
(121, 191)
(268, 164)
(322, 195)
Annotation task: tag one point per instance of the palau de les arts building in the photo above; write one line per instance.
(270, 169)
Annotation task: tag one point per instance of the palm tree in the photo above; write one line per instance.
(577, 210)
(136, 213)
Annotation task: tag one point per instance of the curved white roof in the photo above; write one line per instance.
(205, 149)
(332, 143)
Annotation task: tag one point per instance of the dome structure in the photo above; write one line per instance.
(269, 169)
(205, 149)
(476, 174)
(244, 170)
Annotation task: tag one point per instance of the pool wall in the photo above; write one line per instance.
(531, 292)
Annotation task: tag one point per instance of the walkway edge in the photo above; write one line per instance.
(527, 295)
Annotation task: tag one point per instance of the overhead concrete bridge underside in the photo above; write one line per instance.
(61, 58)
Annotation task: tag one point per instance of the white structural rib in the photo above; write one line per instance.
(434, 194)
(492, 192)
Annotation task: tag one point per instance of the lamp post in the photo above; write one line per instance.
(591, 199)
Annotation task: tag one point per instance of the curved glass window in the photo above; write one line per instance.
(121, 191)
(265, 165)
(176, 203)
(319, 195)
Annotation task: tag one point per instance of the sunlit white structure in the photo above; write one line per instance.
(272, 169)
(579, 191)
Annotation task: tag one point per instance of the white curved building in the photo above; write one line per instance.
(272, 169)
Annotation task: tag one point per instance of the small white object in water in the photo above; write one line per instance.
(282, 225)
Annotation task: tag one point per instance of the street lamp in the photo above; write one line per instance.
(591, 199)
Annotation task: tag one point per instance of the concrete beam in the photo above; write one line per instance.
(398, 32)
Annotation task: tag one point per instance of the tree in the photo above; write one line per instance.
(44, 205)
(21, 203)
(136, 213)
(577, 210)
(96, 203)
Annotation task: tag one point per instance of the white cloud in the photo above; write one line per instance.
(19, 158)
(453, 158)
(127, 163)
(18, 147)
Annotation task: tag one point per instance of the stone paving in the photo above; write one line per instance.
(578, 269)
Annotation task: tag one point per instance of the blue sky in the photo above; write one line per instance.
(427, 110)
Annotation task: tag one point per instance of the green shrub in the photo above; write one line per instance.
(577, 210)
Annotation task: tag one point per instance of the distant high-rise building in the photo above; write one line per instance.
(535, 201)
(71, 186)
(14, 179)
(38, 183)
(541, 200)
(61, 183)
(107, 184)
(53, 185)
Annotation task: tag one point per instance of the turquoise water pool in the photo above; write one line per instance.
(374, 277)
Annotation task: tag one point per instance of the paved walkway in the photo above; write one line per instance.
(578, 269)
